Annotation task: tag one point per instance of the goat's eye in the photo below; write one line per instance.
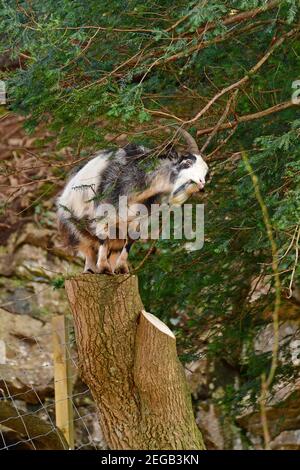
(186, 163)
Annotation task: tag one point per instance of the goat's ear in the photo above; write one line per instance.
(171, 152)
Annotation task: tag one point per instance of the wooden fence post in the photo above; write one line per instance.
(62, 379)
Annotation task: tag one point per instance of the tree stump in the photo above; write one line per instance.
(128, 359)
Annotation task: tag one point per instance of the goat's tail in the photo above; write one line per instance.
(68, 233)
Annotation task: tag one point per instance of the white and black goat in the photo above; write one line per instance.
(126, 172)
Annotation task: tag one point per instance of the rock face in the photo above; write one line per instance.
(28, 264)
(27, 431)
(30, 261)
(287, 440)
(283, 415)
(26, 368)
(27, 384)
(208, 379)
(283, 403)
(210, 424)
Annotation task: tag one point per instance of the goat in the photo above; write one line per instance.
(125, 172)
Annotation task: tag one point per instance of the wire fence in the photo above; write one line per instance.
(43, 402)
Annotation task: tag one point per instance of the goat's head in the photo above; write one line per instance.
(189, 171)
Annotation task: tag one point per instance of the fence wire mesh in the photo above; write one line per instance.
(28, 400)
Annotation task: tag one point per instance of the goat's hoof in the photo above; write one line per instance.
(88, 271)
(104, 269)
(121, 269)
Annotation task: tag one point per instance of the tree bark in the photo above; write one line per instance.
(128, 359)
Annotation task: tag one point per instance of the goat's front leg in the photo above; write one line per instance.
(86, 248)
(121, 264)
(103, 266)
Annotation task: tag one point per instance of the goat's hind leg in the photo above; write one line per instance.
(121, 264)
(79, 241)
(103, 265)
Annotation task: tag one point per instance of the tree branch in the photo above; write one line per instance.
(220, 122)
(239, 17)
(248, 117)
(246, 78)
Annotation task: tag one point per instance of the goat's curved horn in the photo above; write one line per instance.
(192, 144)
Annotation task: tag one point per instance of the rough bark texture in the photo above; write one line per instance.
(128, 359)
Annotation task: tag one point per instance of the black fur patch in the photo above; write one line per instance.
(68, 236)
(186, 156)
(134, 150)
(72, 239)
(122, 176)
(155, 199)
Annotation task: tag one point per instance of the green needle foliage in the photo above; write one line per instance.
(89, 68)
